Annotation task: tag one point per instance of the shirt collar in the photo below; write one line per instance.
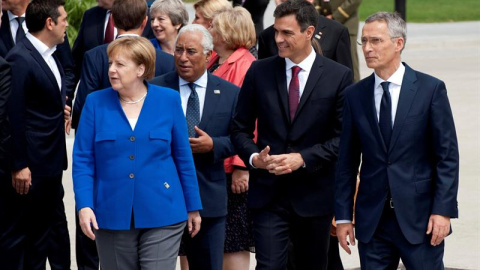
(396, 78)
(127, 35)
(12, 16)
(202, 81)
(40, 46)
(305, 65)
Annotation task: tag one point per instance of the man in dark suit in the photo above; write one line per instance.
(292, 163)
(130, 19)
(346, 13)
(331, 35)
(93, 30)
(208, 103)
(10, 33)
(6, 191)
(39, 157)
(399, 124)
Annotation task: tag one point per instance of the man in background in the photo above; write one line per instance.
(346, 13)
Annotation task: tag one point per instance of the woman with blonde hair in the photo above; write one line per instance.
(205, 11)
(233, 34)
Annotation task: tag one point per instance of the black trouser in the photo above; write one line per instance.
(34, 226)
(276, 225)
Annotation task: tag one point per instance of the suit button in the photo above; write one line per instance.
(389, 163)
(131, 176)
(132, 139)
(131, 157)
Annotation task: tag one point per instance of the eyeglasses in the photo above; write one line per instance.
(374, 41)
(180, 51)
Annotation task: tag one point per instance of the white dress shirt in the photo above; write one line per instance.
(306, 67)
(394, 89)
(46, 54)
(200, 88)
(14, 24)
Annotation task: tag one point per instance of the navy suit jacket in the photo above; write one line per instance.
(420, 167)
(36, 113)
(92, 34)
(216, 121)
(314, 132)
(63, 53)
(5, 80)
(94, 75)
(332, 36)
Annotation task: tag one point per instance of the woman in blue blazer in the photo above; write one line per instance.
(133, 171)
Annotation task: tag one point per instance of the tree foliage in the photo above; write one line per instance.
(75, 10)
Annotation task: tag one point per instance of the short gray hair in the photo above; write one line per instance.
(174, 9)
(207, 40)
(396, 25)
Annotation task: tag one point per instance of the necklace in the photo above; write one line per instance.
(132, 102)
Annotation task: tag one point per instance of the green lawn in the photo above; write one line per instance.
(428, 10)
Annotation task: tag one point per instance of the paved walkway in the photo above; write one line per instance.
(450, 51)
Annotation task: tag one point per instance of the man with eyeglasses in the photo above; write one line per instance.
(399, 125)
(208, 103)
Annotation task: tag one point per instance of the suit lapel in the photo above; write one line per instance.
(100, 25)
(5, 33)
(211, 101)
(171, 81)
(63, 90)
(36, 55)
(407, 95)
(369, 101)
(282, 89)
(315, 74)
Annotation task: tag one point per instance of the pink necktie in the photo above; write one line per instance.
(294, 92)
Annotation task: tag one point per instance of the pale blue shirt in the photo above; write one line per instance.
(200, 88)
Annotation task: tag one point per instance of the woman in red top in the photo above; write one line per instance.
(233, 34)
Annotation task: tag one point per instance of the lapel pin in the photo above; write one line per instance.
(217, 92)
(319, 35)
(167, 186)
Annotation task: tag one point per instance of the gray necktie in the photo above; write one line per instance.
(193, 111)
(20, 32)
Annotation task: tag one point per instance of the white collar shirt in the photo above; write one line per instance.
(47, 55)
(394, 88)
(306, 67)
(200, 88)
(14, 24)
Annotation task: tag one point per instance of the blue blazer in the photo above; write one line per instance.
(420, 167)
(95, 75)
(147, 171)
(216, 121)
(36, 116)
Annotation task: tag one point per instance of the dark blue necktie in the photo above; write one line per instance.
(193, 111)
(385, 119)
(20, 32)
